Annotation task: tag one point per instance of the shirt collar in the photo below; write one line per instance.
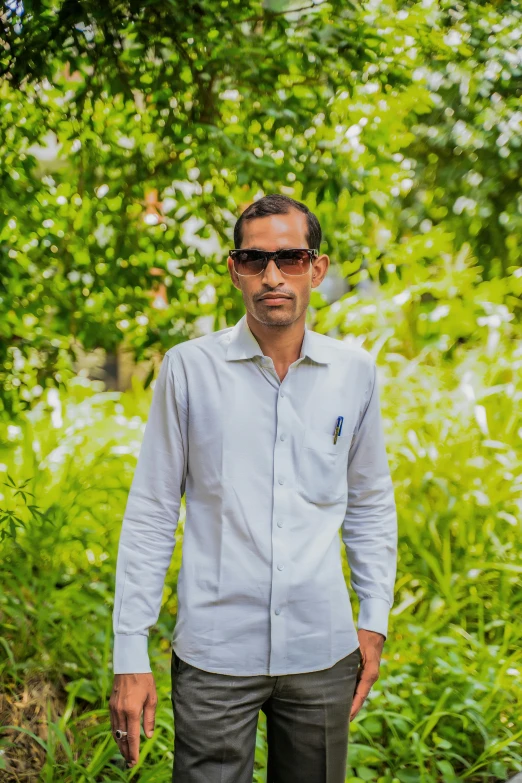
(243, 345)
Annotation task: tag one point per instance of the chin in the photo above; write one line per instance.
(275, 315)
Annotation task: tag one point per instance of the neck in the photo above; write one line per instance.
(281, 342)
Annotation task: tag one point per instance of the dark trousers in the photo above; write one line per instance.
(307, 719)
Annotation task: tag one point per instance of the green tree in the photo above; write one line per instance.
(392, 121)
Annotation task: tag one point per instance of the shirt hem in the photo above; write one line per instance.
(235, 673)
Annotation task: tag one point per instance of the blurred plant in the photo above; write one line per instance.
(11, 518)
(393, 124)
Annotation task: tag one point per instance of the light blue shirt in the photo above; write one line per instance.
(261, 588)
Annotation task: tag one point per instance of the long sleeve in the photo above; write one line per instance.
(369, 529)
(150, 521)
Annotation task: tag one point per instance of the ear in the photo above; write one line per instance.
(233, 275)
(319, 269)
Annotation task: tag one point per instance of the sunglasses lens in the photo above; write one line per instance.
(249, 262)
(294, 262)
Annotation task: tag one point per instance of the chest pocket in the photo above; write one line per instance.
(323, 466)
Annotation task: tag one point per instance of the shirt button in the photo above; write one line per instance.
(282, 394)
(278, 611)
(281, 481)
(282, 436)
(279, 523)
(280, 567)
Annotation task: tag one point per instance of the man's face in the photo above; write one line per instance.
(275, 232)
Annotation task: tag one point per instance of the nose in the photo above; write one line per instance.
(272, 275)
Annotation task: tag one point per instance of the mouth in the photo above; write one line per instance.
(275, 300)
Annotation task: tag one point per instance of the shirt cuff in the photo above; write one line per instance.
(373, 615)
(130, 654)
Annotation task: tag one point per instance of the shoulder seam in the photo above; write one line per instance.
(172, 365)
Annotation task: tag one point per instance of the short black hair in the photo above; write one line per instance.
(277, 204)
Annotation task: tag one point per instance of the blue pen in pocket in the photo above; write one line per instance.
(338, 428)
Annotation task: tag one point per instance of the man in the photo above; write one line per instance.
(275, 432)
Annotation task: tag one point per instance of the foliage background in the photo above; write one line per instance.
(132, 134)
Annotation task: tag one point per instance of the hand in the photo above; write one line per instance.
(371, 644)
(132, 693)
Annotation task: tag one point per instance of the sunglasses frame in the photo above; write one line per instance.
(312, 254)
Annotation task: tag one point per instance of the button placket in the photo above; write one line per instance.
(277, 630)
(283, 472)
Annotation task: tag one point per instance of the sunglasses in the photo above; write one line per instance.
(290, 261)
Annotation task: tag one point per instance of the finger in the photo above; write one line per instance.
(354, 708)
(114, 721)
(149, 713)
(121, 723)
(133, 738)
(358, 700)
(363, 687)
(357, 703)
